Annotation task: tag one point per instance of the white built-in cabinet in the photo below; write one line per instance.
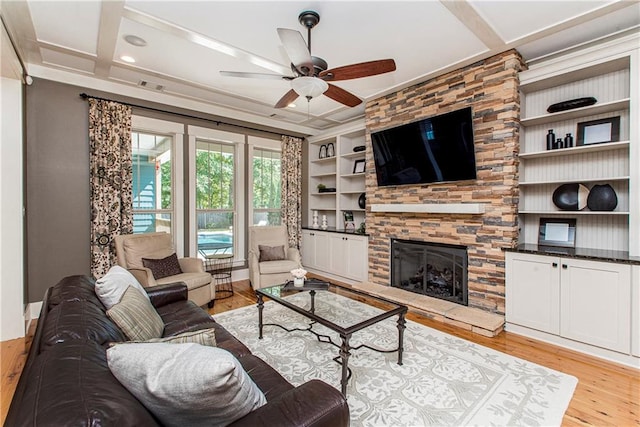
(582, 304)
(335, 254)
(610, 73)
(336, 172)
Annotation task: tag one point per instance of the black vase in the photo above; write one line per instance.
(570, 197)
(362, 200)
(602, 198)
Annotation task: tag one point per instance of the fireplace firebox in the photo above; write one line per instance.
(431, 269)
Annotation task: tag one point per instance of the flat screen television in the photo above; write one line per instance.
(435, 149)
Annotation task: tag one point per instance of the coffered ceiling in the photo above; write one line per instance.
(188, 43)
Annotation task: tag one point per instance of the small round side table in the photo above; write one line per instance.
(219, 266)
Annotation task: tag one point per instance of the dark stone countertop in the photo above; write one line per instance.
(334, 230)
(579, 253)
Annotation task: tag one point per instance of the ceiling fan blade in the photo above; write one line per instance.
(287, 99)
(254, 75)
(342, 96)
(296, 50)
(355, 71)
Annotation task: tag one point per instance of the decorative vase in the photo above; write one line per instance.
(551, 138)
(362, 200)
(331, 151)
(323, 152)
(602, 198)
(298, 281)
(315, 220)
(570, 197)
(324, 225)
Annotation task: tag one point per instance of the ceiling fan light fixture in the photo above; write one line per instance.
(309, 87)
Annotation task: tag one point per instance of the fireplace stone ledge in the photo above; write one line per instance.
(469, 318)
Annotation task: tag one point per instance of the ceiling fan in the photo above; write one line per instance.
(310, 74)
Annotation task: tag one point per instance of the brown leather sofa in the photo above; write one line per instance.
(66, 379)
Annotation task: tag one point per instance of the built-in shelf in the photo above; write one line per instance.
(326, 193)
(354, 154)
(572, 213)
(605, 107)
(324, 160)
(352, 192)
(576, 150)
(320, 175)
(450, 208)
(352, 175)
(580, 180)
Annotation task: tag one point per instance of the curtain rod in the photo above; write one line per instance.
(217, 122)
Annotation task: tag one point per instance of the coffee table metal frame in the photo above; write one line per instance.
(345, 333)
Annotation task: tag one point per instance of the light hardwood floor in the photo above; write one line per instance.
(607, 394)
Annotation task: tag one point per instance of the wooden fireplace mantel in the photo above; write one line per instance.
(450, 208)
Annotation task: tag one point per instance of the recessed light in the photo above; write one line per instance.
(128, 59)
(292, 105)
(135, 40)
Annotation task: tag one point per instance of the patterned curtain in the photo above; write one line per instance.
(110, 178)
(292, 188)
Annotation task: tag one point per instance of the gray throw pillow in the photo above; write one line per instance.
(110, 287)
(271, 253)
(163, 267)
(186, 384)
(136, 316)
(202, 337)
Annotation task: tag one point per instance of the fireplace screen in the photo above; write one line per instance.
(436, 270)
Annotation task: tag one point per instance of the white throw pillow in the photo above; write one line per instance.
(110, 287)
(186, 384)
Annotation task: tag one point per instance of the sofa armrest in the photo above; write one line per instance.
(313, 404)
(144, 276)
(166, 294)
(191, 265)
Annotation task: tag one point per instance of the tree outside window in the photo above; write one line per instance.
(267, 188)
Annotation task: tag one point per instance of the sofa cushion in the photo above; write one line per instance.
(271, 253)
(135, 315)
(184, 316)
(79, 320)
(73, 288)
(152, 246)
(186, 384)
(192, 280)
(274, 267)
(71, 384)
(163, 267)
(266, 378)
(110, 287)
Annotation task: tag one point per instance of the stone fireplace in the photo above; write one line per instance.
(480, 215)
(435, 270)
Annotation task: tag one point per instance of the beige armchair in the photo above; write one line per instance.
(131, 248)
(266, 268)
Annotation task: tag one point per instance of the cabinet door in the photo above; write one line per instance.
(596, 303)
(322, 251)
(356, 255)
(308, 249)
(338, 254)
(533, 291)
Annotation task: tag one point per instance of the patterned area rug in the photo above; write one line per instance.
(444, 381)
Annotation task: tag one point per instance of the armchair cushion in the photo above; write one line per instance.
(271, 253)
(276, 267)
(151, 245)
(163, 267)
(136, 316)
(113, 285)
(186, 384)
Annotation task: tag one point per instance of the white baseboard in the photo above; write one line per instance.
(31, 313)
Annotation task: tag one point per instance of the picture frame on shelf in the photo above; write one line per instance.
(349, 224)
(359, 166)
(599, 131)
(557, 232)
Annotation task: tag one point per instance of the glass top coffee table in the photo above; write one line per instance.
(345, 328)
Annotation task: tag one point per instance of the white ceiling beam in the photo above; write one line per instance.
(470, 18)
(110, 17)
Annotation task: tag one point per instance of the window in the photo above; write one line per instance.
(152, 182)
(266, 187)
(215, 196)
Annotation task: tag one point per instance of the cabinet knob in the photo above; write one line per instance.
(564, 266)
(555, 264)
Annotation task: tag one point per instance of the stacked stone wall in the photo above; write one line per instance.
(490, 87)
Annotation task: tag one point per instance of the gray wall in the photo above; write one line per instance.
(57, 177)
